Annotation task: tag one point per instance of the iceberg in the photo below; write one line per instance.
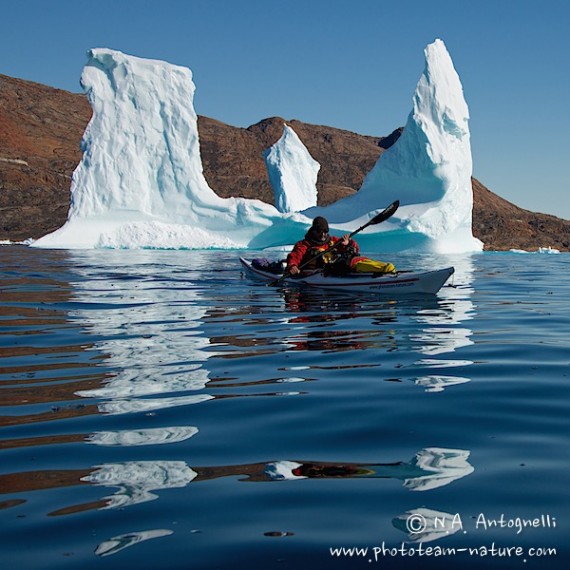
(548, 250)
(428, 169)
(140, 183)
(292, 172)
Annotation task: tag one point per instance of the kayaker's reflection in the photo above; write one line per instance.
(137, 481)
(318, 306)
(311, 306)
(324, 340)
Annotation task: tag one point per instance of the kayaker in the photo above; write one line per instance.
(343, 259)
(317, 240)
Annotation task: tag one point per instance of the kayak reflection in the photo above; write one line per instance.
(430, 468)
(138, 481)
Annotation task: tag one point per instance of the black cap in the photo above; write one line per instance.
(320, 225)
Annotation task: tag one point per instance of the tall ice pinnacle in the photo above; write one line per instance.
(292, 172)
(433, 155)
(141, 146)
(428, 169)
(140, 182)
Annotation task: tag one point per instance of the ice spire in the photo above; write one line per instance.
(428, 169)
(292, 172)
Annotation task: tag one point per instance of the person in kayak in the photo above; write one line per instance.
(307, 253)
(317, 240)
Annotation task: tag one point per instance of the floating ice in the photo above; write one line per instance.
(548, 250)
(141, 184)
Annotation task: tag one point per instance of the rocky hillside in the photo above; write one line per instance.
(40, 135)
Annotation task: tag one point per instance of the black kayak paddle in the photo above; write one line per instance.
(379, 218)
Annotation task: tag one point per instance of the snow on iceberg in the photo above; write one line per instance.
(292, 172)
(428, 169)
(141, 184)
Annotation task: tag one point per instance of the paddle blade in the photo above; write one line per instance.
(381, 217)
(385, 214)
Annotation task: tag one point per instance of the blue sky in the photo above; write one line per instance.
(351, 64)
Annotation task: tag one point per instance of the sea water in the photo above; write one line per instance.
(161, 410)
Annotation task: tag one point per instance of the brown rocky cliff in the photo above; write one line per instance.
(40, 134)
(501, 225)
(41, 130)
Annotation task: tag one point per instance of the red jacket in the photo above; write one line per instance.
(304, 250)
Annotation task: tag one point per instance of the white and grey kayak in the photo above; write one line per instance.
(402, 283)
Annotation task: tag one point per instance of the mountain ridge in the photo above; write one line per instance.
(40, 134)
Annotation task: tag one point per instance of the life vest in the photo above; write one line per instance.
(314, 250)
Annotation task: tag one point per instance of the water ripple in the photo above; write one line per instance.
(148, 394)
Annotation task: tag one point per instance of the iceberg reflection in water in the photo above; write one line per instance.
(173, 345)
(118, 543)
(152, 342)
(137, 479)
(426, 525)
(437, 383)
(444, 333)
(152, 436)
(429, 469)
(438, 467)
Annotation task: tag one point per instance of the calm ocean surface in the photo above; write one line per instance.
(160, 410)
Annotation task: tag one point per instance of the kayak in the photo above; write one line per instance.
(401, 283)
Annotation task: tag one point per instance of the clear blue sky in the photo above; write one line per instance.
(351, 64)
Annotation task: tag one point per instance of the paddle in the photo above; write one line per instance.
(381, 217)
